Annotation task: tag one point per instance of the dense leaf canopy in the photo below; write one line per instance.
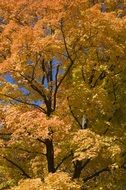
(62, 94)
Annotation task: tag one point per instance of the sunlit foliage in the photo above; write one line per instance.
(62, 94)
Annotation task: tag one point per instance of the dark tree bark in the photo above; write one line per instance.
(77, 169)
(50, 155)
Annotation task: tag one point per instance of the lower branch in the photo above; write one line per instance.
(17, 166)
(96, 174)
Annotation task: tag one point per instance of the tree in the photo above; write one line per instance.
(61, 62)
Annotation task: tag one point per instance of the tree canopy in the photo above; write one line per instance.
(62, 95)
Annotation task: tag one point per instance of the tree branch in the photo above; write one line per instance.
(101, 76)
(70, 65)
(76, 119)
(42, 141)
(17, 166)
(65, 43)
(96, 174)
(65, 158)
(24, 102)
(85, 163)
(56, 81)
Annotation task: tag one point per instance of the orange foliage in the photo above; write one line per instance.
(63, 114)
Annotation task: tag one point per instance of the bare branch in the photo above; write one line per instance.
(42, 94)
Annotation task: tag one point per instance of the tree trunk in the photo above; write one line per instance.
(77, 169)
(50, 155)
